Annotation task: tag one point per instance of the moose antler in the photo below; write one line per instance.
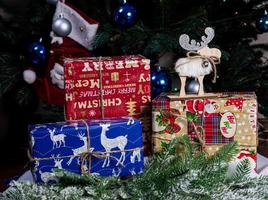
(193, 45)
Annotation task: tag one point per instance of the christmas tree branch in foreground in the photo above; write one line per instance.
(186, 175)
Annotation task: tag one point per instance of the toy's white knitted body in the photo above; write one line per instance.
(192, 67)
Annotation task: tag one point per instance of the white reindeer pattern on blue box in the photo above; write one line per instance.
(60, 145)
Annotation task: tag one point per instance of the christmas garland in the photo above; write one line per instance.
(175, 173)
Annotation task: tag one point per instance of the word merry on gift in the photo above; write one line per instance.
(107, 92)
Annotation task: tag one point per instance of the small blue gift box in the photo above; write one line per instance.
(104, 147)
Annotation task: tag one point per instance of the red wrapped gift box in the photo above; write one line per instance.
(126, 88)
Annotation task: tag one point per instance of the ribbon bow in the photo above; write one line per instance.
(170, 116)
(212, 59)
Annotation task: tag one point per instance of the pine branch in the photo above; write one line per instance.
(243, 169)
(226, 153)
(103, 36)
(167, 175)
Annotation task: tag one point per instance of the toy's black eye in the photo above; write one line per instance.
(205, 64)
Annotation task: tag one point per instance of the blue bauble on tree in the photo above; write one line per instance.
(125, 15)
(262, 22)
(37, 52)
(160, 81)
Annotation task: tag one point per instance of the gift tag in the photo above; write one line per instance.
(228, 125)
(157, 124)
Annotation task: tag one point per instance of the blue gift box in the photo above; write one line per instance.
(104, 147)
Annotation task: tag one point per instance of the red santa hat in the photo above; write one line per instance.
(77, 44)
(84, 28)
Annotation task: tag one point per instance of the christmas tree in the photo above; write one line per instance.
(131, 107)
(154, 33)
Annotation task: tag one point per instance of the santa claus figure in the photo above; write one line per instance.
(206, 107)
(78, 43)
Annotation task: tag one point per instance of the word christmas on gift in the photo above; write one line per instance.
(94, 83)
(98, 87)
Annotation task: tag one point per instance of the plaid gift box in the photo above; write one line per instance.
(211, 126)
(224, 117)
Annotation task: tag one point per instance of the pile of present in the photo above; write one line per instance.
(107, 107)
(108, 111)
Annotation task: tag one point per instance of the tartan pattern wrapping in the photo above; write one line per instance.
(161, 103)
(211, 125)
(191, 131)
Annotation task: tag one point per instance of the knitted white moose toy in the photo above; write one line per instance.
(200, 60)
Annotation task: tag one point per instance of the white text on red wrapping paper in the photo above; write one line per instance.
(97, 103)
(95, 83)
(106, 92)
(109, 65)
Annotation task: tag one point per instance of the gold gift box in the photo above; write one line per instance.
(170, 119)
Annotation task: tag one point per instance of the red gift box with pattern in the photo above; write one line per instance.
(125, 83)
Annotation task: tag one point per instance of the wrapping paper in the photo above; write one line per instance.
(116, 147)
(126, 89)
(224, 117)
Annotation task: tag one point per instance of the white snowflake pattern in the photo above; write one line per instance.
(92, 113)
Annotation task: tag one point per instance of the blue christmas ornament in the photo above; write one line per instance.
(37, 52)
(262, 22)
(125, 15)
(160, 81)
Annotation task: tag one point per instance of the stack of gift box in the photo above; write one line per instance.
(108, 110)
(212, 119)
(108, 125)
(108, 114)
